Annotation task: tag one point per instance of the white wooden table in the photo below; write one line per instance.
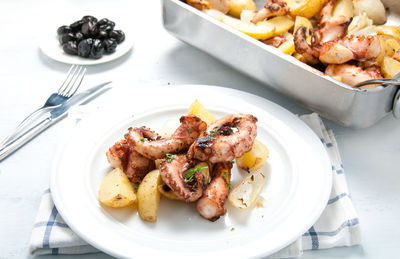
(370, 156)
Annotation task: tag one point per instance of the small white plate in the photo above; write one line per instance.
(51, 47)
(297, 188)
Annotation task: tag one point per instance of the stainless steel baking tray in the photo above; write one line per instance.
(332, 99)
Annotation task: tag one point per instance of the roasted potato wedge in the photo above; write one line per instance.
(392, 31)
(245, 193)
(281, 24)
(196, 108)
(388, 47)
(288, 46)
(148, 196)
(343, 8)
(237, 6)
(116, 190)
(261, 31)
(306, 8)
(255, 158)
(167, 192)
(214, 13)
(390, 67)
(169, 127)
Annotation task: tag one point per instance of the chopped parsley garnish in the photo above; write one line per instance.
(214, 131)
(189, 130)
(142, 139)
(232, 161)
(232, 228)
(190, 173)
(226, 180)
(169, 157)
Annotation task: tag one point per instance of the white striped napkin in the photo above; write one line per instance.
(337, 226)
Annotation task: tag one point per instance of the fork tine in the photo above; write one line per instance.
(78, 79)
(74, 75)
(70, 73)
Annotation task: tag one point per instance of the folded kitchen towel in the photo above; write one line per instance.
(337, 226)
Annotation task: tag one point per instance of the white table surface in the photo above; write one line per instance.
(370, 156)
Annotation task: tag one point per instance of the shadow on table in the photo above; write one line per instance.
(86, 256)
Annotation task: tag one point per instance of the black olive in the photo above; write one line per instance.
(70, 48)
(89, 29)
(84, 47)
(66, 37)
(79, 36)
(103, 21)
(76, 26)
(111, 23)
(118, 35)
(102, 35)
(110, 45)
(87, 18)
(63, 30)
(105, 27)
(97, 49)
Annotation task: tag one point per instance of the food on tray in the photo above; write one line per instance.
(89, 37)
(148, 196)
(237, 6)
(343, 38)
(116, 190)
(193, 160)
(246, 192)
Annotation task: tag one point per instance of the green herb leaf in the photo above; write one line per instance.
(226, 180)
(214, 131)
(232, 161)
(189, 176)
(142, 139)
(232, 228)
(189, 130)
(169, 157)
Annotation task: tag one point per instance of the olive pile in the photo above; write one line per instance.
(90, 38)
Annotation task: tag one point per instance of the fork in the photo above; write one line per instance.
(68, 88)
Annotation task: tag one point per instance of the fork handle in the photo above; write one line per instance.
(14, 144)
(31, 117)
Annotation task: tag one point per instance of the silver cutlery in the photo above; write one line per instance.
(382, 81)
(68, 88)
(54, 115)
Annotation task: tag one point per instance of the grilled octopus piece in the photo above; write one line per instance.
(271, 8)
(220, 143)
(190, 129)
(135, 166)
(172, 173)
(211, 204)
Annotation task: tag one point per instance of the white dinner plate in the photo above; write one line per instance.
(297, 188)
(51, 47)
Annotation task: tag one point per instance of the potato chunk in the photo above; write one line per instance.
(343, 8)
(261, 31)
(306, 8)
(149, 196)
(237, 6)
(255, 158)
(245, 193)
(281, 24)
(390, 67)
(196, 108)
(116, 190)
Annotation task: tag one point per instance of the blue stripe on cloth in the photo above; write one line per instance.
(338, 171)
(347, 223)
(54, 251)
(314, 238)
(49, 226)
(46, 191)
(335, 199)
(327, 144)
(44, 223)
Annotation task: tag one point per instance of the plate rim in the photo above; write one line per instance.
(328, 176)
